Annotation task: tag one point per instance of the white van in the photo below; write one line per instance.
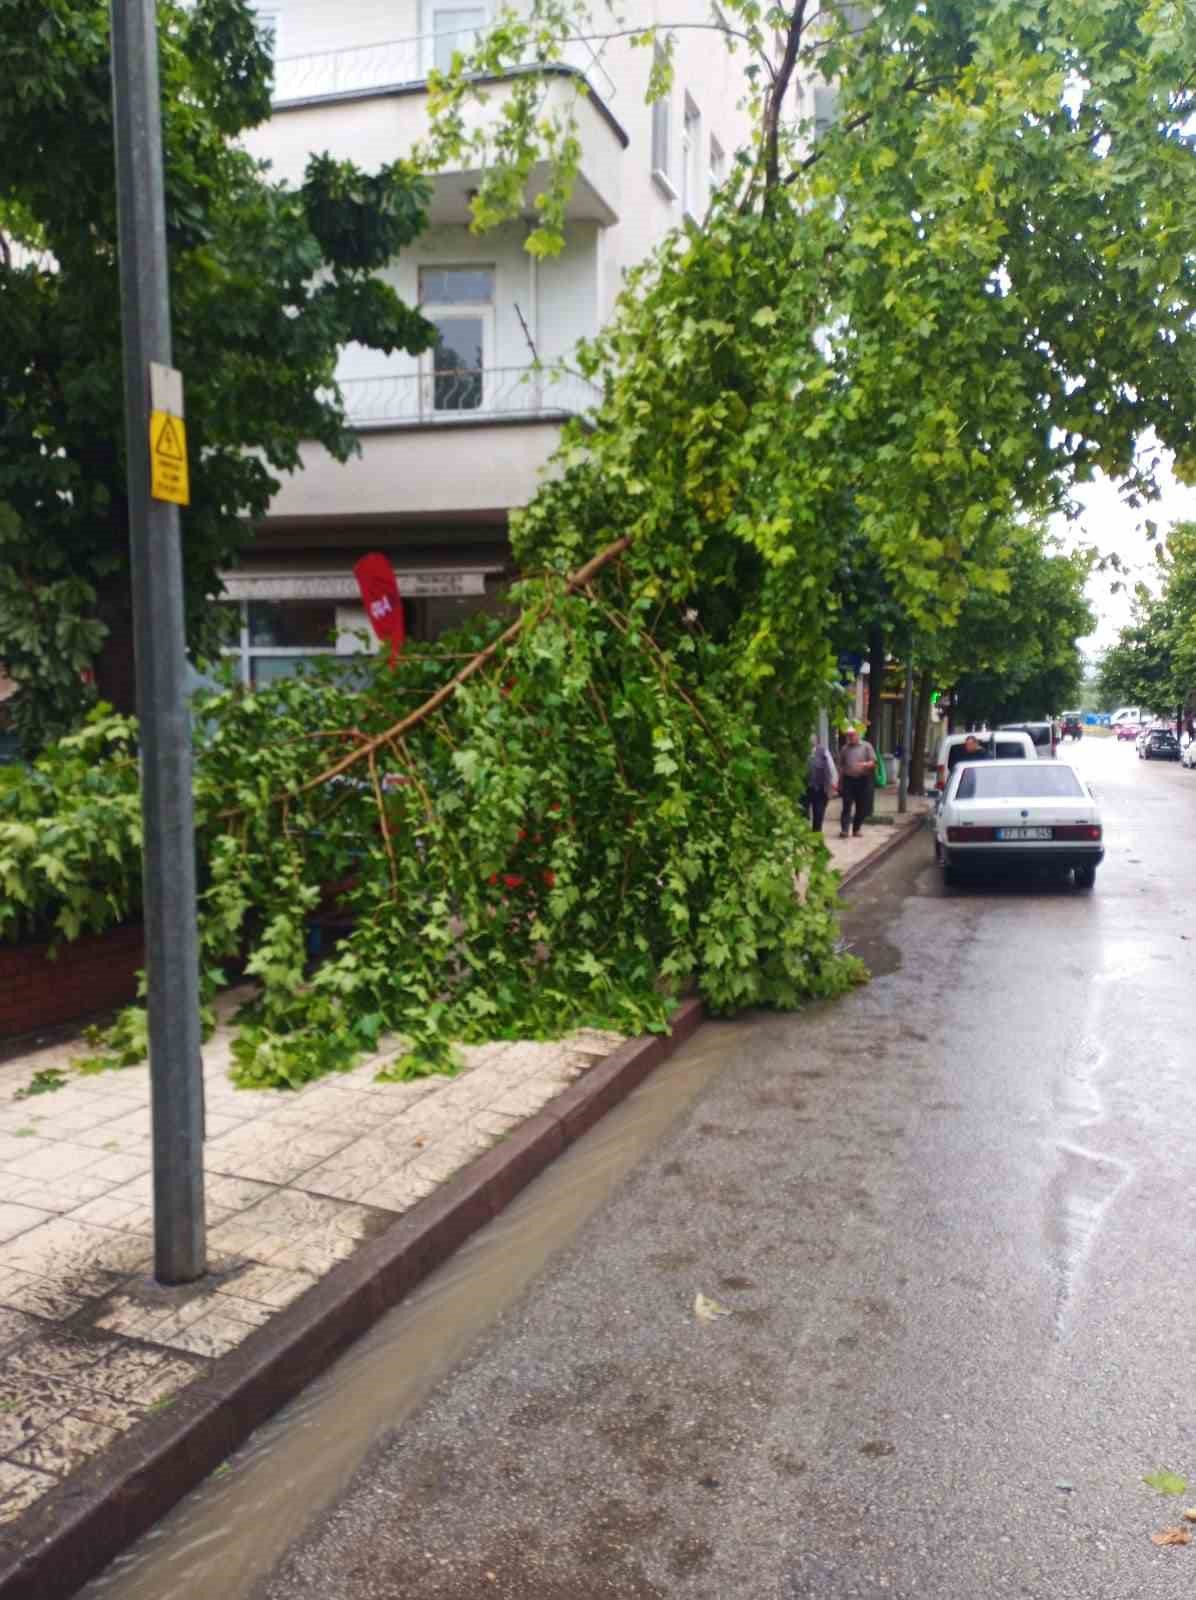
(1126, 714)
(999, 746)
(1042, 733)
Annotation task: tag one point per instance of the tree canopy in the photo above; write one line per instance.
(267, 284)
(1153, 662)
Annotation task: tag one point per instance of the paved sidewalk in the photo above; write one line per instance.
(297, 1183)
(850, 854)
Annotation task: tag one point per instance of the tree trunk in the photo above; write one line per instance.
(876, 684)
(917, 770)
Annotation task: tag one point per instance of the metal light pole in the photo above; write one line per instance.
(907, 731)
(176, 1067)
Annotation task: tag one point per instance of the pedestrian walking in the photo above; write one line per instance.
(822, 779)
(857, 770)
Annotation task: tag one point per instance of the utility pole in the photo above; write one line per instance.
(172, 957)
(907, 730)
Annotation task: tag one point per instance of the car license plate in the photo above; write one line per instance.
(1013, 834)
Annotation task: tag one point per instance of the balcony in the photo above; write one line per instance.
(453, 398)
(454, 448)
(403, 64)
(367, 104)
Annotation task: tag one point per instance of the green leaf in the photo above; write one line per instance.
(1165, 1482)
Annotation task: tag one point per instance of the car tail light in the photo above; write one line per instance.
(1086, 831)
(941, 780)
(971, 835)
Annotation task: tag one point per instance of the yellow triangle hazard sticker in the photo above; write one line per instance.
(168, 458)
(168, 442)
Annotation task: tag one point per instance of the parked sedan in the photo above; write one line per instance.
(1127, 730)
(1161, 745)
(1003, 815)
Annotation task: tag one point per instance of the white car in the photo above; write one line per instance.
(1000, 815)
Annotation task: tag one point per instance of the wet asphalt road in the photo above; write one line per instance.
(952, 1217)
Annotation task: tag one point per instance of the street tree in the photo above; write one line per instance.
(1015, 656)
(267, 284)
(1153, 661)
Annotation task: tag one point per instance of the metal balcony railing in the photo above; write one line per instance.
(465, 395)
(399, 63)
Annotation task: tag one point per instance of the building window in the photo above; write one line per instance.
(277, 637)
(661, 117)
(826, 109)
(455, 31)
(692, 197)
(459, 302)
(718, 165)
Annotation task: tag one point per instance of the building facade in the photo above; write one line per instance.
(455, 440)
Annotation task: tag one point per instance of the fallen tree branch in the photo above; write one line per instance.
(396, 731)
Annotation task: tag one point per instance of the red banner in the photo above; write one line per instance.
(380, 596)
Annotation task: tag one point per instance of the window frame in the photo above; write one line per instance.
(427, 19)
(662, 117)
(482, 311)
(716, 166)
(244, 652)
(692, 196)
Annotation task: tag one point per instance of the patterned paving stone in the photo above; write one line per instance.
(89, 1344)
(19, 1488)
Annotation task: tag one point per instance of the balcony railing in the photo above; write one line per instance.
(481, 394)
(399, 63)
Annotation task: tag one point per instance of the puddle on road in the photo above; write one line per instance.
(230, 1531)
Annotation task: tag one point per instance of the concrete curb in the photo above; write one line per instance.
(904, 828)
(74, 1531)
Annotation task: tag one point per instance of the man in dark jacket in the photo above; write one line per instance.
(857, 769)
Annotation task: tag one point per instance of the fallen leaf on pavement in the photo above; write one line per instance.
(1171, 1536)
(1190, 1514)
(707, 1310)
(1166, 1482)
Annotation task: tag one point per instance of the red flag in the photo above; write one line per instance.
(380, 596)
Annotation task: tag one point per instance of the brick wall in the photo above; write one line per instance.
(93, 973)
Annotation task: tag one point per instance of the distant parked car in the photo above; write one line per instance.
(1072, 726)
(1160, 745)
(1127, 730)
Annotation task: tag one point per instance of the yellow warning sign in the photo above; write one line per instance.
(168, 459)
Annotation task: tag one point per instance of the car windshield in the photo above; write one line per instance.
(1033, 781)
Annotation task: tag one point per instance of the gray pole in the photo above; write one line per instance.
(907, 731)
(176, 1068)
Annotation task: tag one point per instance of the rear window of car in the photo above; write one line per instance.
(1036, 780)
(1009, 750)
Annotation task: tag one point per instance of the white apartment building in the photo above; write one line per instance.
(454, 440)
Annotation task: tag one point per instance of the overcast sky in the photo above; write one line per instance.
(1111, 526)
